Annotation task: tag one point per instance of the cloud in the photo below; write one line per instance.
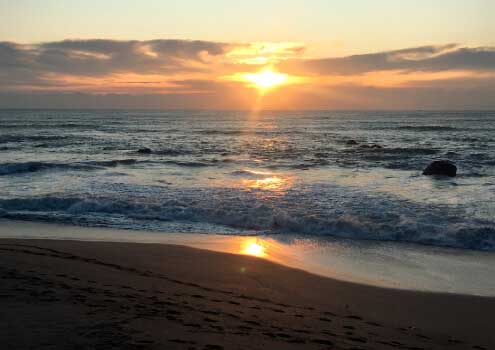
(22, 64)
(191, 74)
(424, 58)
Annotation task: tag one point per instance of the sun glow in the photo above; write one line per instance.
(265, 79)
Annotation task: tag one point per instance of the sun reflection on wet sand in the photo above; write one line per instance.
(253, 247)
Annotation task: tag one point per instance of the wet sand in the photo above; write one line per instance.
(100, 295)
(378, 263)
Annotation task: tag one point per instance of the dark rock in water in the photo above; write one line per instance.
(441, 167)
(352, 142)
(144, 150)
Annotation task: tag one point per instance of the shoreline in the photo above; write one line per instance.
(220, 299)
(383, 264)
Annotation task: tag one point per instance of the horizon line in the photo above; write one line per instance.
(249, 110)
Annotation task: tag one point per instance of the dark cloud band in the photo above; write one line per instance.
(425, 58)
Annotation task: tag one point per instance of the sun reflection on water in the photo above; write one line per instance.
(271, 183)
(268, 181)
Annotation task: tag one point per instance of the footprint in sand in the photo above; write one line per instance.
(358, 339)
(354, 317)
(181, 341)
(213, 347)
(322, 342)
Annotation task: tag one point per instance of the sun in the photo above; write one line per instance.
(266, 79)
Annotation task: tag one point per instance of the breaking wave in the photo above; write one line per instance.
(254, 217)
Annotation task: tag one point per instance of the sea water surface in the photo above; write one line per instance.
(292, 175)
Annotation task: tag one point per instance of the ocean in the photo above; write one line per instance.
(310, 174)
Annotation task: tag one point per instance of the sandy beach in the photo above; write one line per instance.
(101, 295)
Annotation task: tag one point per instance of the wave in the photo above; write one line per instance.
(221, 132)
(30, 138)
(310, 164)
(247, 216)
(192, 164)
(427, 128)
(30, 167)
(250, 132)
(14, 126)
(401, 151)
(75, 125)
(251, 173)
(172, 152)
(403, 158)
(112, 163)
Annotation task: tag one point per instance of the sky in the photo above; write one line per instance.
(353, 54)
